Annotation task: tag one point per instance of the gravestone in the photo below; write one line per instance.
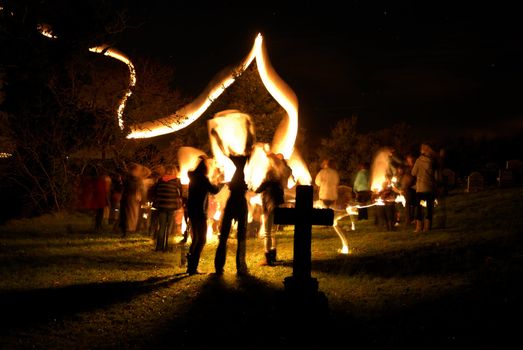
(516, 166)
(449, 176)
(302, 216)
(475, 182)
(505, 178)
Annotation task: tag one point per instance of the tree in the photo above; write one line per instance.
(348, 148)
(45, 105)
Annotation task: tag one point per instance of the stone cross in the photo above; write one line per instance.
(302, 216)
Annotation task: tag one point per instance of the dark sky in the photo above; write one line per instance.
(444, 67)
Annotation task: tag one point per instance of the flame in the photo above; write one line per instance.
(230, 133)
(256, 200)
(120, 56)
(352, 210)
(300, 171)
(187, 161)
(380, 165)
(45, 30)
(287, 130)
(257, 167)
(400, 199)
(184, 224)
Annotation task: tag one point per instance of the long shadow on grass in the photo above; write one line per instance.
(485, 312)
(247, 312)
(25, 307)
(99, 260)
(435, 259)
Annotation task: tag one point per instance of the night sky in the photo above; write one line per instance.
(445, 67)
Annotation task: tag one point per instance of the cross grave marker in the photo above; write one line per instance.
(302, 216)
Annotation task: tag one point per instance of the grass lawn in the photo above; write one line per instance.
(65, 287)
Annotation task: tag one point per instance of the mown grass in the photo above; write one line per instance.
(63, 286)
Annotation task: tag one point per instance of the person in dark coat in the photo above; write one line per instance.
(272, 194)
(235, 209)
(167, 197)
(197, 200)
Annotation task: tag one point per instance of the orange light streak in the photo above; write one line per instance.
(285, 134)
(120, 56)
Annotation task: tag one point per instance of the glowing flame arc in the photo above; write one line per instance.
(105, 50)
(285, 135)
(113, 53)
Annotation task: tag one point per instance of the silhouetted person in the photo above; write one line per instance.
(424, 171)
(235, 209)
(198, 193)
(133, 192)
(272, 194)
(167, 196)
(362, 189)
(408, 189)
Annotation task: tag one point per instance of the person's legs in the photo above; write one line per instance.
(418, 212)
(390, 216)
(169, 223)
(162, 226)
(429, 198)
(98, 219)
(241, 236)
(199, 239)
(221, 250)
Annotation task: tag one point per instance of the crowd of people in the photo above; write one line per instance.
(407, 195)
(145, 200)
(158, 195)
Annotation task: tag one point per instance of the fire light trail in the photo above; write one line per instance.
(285, 136)
(105, 50)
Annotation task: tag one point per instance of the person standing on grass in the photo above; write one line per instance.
(272, 194)
(197, 201)
(362, 189)
(167, 198)
(424, 171)
(235, 209)
(133, 192)
(408, 190)
(327, 181)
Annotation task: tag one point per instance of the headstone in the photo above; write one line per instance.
(490, 172)
(516, 166)
(302, 216)
(505, 178)
(450, 177)
(475, 182)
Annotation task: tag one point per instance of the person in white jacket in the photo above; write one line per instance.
(327, 181)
